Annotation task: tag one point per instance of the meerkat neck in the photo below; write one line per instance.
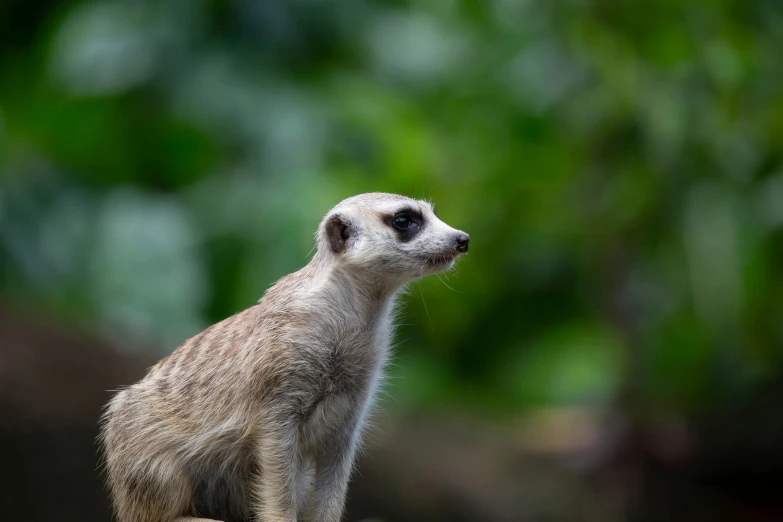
(353, 289)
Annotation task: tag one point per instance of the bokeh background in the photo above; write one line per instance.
(611, 348)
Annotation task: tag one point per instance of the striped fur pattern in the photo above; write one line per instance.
(258, 417)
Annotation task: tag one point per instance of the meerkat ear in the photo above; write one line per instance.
(338, 232)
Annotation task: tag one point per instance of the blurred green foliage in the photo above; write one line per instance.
(617, 164)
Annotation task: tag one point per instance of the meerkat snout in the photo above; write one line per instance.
(259, 416)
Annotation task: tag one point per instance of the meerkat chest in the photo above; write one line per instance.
(348, 364)
(351, 370)
(350, 367)
(356, 353)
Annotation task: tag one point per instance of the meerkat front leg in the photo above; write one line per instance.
(333, 465)
(278, 456)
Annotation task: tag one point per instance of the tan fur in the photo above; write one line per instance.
(259, 416)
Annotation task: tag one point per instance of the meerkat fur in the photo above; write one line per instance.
(258, 418)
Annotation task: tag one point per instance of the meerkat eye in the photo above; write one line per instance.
(402, 221)
(407, 223)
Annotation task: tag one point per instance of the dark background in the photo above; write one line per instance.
(610, 350)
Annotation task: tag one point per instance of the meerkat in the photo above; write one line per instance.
(258, 418)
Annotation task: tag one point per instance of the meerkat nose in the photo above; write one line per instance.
(462, 242)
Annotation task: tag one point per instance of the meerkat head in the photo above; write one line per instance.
(391, 236)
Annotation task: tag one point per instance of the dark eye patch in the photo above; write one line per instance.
(407, 223)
